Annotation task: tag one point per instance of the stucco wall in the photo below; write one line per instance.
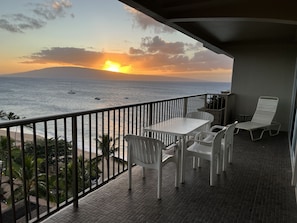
(263, 70)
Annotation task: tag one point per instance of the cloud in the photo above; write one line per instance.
(154, 56)
(6, 25)
(157, 45)
(134, 51)
(19, 22)
(65, 55)
(145, 22)
(50, 11)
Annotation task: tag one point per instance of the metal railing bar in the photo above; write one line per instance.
(102, 159)
(74, 163)
(109, 137)
(56, 163)
(46, 167)
(96, 145)
(66, 160)
(114, 141)
(11, 174)
(118, 138)
(90, 152)
(26, 195)
(83, 151)
(36, 170)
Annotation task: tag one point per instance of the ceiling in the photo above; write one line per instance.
(219, 24)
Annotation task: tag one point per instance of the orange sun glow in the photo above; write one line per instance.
(115, 67)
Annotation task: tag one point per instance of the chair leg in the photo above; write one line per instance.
(230, 154)
(225, 154)
(259, 137)
(159, 183)
(177, 174)
(143, 172)
(177, 171)
(211, 172)
(194, 162)
(219, 163)
(130, 175)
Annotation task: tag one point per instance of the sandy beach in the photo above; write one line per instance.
(29, 137)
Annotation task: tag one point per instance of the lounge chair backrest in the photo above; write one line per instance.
(266, 109)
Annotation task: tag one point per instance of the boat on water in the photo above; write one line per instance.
(71, 92)
(97, 98)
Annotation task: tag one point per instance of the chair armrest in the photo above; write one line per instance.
(171, 149)
(172, 146)
(204, 135)
(204, 138)
(220, 127)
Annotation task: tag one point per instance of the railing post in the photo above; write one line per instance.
(1, 164)
(150, 117)
(185, 111)
(74, 162)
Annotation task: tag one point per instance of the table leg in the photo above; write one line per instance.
(182, 159)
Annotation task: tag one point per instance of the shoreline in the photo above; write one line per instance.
(29, 137)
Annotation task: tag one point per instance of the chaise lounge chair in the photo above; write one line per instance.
(262, 118)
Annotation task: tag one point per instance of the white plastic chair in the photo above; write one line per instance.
(202, 115)
(149, 153)
(262, 118)
(208, 150)
(227, 142)
(199, 115)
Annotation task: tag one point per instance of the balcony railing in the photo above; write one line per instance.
(51, 162)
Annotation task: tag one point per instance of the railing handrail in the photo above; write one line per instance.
(26, 121)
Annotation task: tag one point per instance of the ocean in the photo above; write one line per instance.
(38, 97)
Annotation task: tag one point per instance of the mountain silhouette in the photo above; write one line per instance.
(87, 73)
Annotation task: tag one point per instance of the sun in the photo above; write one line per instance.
(115, 67)
(111, 66)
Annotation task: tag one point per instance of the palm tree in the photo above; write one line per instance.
(63, 148)
(4, 150)
(28, 178)
(12, 116)
(106, 146)
(86, 170)
(2, 114)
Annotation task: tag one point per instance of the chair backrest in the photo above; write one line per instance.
(144, 151)
(217, 141)
(202, 115)
(266, 109)
(229, 133)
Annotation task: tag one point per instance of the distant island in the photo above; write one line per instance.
(87, 73)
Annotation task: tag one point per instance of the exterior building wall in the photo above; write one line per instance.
(267, 70)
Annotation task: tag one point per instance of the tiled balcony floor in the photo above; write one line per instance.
(255, 188)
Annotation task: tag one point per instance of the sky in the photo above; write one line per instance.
(100, 34)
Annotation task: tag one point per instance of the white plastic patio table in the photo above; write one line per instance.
(180, 127)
